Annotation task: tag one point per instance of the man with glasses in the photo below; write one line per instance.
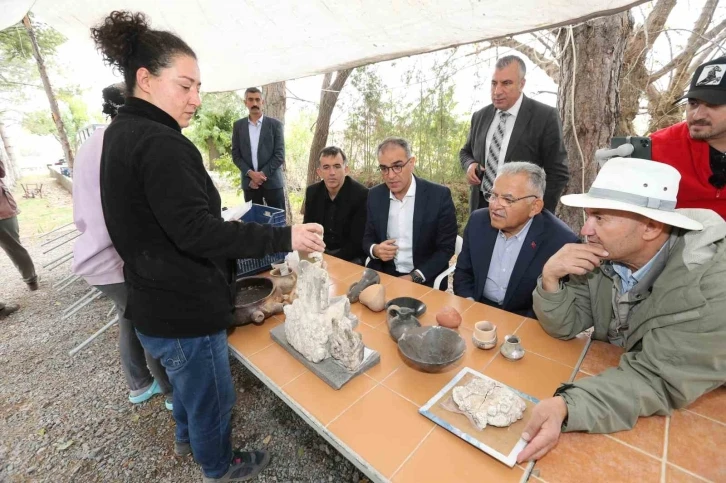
(507, 244)
(411, 227)
(338, 202)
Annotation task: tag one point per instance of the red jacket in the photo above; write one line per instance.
(8, 208)
(674, 146)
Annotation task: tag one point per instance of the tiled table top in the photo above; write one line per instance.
(374, 420)
(685, 447)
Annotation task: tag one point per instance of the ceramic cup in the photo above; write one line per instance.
(485, 335)
(512, 348)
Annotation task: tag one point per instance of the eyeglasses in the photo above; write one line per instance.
(505, 201)
(397, 168)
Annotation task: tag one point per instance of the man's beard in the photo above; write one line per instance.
(706, 134)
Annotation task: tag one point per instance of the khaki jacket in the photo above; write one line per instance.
(675, 343)
(8, 207)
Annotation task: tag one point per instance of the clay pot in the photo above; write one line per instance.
(257, 299)
(512, 348)
(370, 277)
(285, 283)
(374, 297)
(400, 319)
(448, 317)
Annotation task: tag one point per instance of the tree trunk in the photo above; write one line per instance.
(12, 170)
(49, 92)
(275, 96)
(593, 71)
(213, 153)
(328, 97)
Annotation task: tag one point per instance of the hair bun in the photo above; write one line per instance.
(117, 37)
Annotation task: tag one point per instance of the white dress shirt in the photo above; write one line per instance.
(508, 127)
(254, 139)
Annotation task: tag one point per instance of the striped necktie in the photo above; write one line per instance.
(495, 147)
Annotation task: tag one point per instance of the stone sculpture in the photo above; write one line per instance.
(374, 297)
(487, 402)
(370, 277)
(316, 323)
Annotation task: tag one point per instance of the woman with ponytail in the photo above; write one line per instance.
(163, 215)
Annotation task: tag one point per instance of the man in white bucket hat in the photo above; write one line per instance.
(651, 279)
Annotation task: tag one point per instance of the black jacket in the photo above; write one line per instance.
(350, 216)
(270, 151)
(434, 229)
(164, 217)
(536, 137)
(546, 235)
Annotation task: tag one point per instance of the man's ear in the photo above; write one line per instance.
(654, 229)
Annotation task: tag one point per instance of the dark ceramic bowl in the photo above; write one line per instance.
(409, 302)
(430, 349)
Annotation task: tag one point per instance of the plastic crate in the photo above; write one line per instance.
(264, 215)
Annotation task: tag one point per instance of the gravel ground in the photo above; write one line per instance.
(68, 418)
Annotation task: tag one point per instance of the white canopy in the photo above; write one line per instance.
(255, 42)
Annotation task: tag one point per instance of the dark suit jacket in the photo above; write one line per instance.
(536, 137)
(270, 151)
(350, 216)
(545, 237)
(434, 228)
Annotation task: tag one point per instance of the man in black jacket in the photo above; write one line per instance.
(338, 202)
(258, 150)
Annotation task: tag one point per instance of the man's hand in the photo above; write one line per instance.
(408, 278)
(254, 185)
(471, 176)
(308, 237)
(571, 259)
(386, 250)
(257, 177)
(543, 429)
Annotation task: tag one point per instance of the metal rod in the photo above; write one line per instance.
(90, 339)
(110, 311)
(58, 237)
(73, 279)
(56, 229)
(95, 296)
(66, 279)
(85, 296)
(61, 262)
(62, 243)
(57, 259)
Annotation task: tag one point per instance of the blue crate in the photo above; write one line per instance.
(263, 215)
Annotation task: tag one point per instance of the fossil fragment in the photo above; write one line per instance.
(488, 402)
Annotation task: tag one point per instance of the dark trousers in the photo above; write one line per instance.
(261, 196)
(198, 368)
(10, 242)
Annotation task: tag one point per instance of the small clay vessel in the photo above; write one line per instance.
(485, 335)
(370, 277)
(374, 297)
(448, 317)
(285, 283)
(512, 348)
(400, 319)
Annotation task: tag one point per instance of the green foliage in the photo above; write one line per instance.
(225, 166)
(298, 138)
(211, 127)
(73, 111)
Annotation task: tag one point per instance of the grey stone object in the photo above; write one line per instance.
(431, 349)
(346, 345)
(330, 371)
(400, 319)
(370, 277)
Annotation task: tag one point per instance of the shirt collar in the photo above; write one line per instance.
(625, 273)
(411, 193)
(522, 233)
(514, 110)
(259, 121)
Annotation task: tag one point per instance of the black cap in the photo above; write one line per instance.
(709, 83)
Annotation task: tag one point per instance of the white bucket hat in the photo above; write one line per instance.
(639, 186)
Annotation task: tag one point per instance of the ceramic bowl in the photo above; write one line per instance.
(410, 303)
(485, 331)
(486, 345)
(431, 349)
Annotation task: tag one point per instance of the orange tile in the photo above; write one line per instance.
(462, 463)
(533, 374)
(277, 364)
(601, 356)
(596, 458)
(418, 386)
(538, 341)
(338, 288)
(388, 350)
(506, 322)
(324, 402)
(387, 279)
(712, 405)
(675, 475)
(696, 444)
(251, 338)
(383, 428)
(403, 288)
(647, 435)
(367, 316)
(435, 300)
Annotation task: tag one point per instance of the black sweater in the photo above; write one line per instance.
(163, 214)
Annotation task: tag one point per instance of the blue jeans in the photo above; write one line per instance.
(199, 373)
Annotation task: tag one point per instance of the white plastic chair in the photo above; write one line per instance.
(445, 273)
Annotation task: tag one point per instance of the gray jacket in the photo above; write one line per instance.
(270, 151)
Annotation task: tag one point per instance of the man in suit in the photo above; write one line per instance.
(513, 128)
(507, 244)
(258, 150)
(411, 226)
(338, 202)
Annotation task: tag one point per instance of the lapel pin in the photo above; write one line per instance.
(534, 245)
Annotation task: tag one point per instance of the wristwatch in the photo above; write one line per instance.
(416, 276)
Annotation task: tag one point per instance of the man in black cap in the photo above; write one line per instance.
(696, 147)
